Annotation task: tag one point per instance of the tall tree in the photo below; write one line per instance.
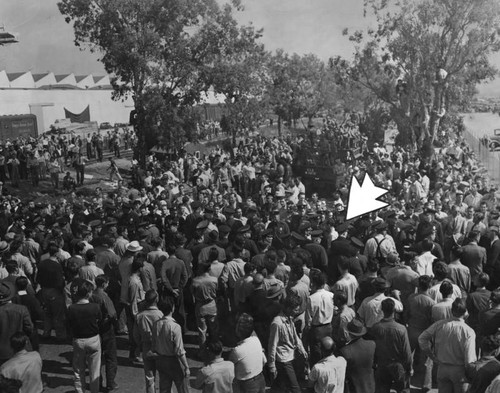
(300, 86)
(425, 57)
(241, 76)
(156, 50)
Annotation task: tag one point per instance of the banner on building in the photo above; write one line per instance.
(78, 117)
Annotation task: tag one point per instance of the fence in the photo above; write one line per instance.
(490, 160)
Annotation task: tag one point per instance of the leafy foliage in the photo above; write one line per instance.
(159, 51)
(438, 49)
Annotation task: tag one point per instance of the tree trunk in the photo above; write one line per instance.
(437, 109)
(140, 132)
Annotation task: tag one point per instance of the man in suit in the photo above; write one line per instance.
(340, 246)
(359, 354)
(474, 256)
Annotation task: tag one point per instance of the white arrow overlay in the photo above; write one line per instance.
(363, 197)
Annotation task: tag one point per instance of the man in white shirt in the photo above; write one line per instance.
(381, 244)
(328, 375)
(451, 343)
(423, 262)
(441, 273)
(24, 366)
(248, 358)
(319, 314)
(347, 282)
(370, 310)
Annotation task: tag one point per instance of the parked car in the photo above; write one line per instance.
(494, 140)
(105, 126)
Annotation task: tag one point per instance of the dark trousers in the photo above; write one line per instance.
(110, 359)
(179, 313)
(80, 173)
(55, 312)
(389, 376)
(316, 334)
(256, 384)
(130, 326)
(422, 364)
(170, 372)
(54, 178)
(287, 378)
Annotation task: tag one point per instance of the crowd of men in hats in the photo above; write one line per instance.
(294, 296)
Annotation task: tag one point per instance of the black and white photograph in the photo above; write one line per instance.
(250, 196)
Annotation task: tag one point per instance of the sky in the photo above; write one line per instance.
(301, 26)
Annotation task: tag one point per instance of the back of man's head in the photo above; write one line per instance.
(214, 348)
(388, 307)
(427, 244)
(490, 344)
(458, 308)
(495, 296)
(424, 282)
(317, 278)
(440, 270)
(151, 297)
(483, 279)
(18, 341)
(446, 289)
(22, 283)
(101, 280)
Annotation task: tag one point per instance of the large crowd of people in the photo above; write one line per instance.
(281, 290)
(51, 154)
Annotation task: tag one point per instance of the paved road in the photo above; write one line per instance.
(58, 374)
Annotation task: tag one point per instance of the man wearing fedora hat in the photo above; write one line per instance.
(359, 354)
(370, 310)
(13, 318)
(125, 268)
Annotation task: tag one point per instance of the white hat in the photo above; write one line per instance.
(134, 246)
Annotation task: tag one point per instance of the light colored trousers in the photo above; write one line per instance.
(87, 353)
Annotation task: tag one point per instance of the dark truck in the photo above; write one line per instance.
(18, 126)
(316, 168)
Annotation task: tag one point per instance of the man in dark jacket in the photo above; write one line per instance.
(13, 318)
(359, 354)
(392, 354)
(107, 330)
